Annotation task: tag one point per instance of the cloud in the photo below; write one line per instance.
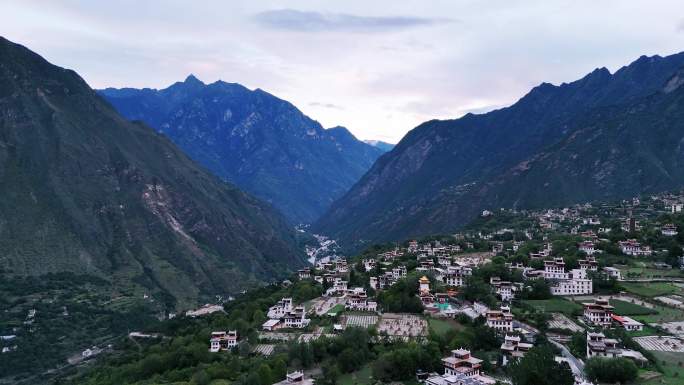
(301, 21)
(680, 26)
(326, 105)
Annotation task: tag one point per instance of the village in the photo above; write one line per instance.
(588, 281)
(607, 292)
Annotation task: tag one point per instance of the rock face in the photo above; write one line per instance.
(605, 136)
(263, 144)
(85, 190)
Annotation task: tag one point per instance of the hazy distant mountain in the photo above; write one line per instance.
(255, 140)
(605, 136)
(384, 146)
(85, 190)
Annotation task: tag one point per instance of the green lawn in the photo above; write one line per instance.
(555, 305)
(360, 377)
(337, 309)
(630, 309)
(442, 326)
(653, 289)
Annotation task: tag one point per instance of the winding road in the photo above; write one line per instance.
(576, 365)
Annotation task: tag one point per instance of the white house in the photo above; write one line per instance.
(628, 323)
(634, 248)
(574, 282)
(223, 341)
(513, 348)
(587, 247)
(304, 273)
(555, 269)
(271, 325)
(357, 299)
(296, 318)
(455, 275)
(669, 230)
(589, 263)
(280, 309)
(613, 272)
(598, 313)
(500, 320)
(600, 346)
(295, 378)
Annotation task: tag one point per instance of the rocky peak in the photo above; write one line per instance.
(192, 80)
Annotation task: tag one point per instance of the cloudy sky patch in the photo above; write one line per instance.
(296, 20)
(378, 67)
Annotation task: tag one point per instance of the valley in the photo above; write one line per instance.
(352, 193)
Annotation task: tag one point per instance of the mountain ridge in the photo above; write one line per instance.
(426, 183)
(262, 143)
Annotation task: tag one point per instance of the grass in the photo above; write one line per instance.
(665, 314)
(674, 373)
(220, 382)
(647, 331)
(441, 326)
(555, 305)
(653, 289)
(337, 309)
(630, 309)
(362, 376)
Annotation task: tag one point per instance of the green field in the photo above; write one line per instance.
(654, 289)
(673, 367)
(441, 326)
(360, 377)
(649, 272)
(664, 314)
(630, 309)
(555, 305)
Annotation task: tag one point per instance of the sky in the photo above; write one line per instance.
(377, 67)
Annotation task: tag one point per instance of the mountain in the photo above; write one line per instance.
(556, 145)
(263, 144)
(384, 146)
(84, 190)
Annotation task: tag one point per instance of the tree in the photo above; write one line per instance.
(201, 378)
(347, 361)
(402, 296)
(611, 370)
(279, 369)
(258, 317)
(538, 367)
(476, 289)
(578, 344)
(330, 373)
(265, 374)
(538, 289)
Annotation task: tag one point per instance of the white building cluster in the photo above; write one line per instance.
(285, 315)
(574, 282)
